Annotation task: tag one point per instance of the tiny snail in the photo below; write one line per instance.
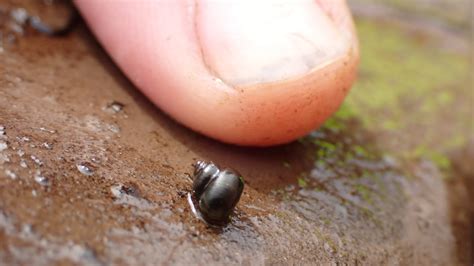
(217, 191)
(40, 26)
(59, 20)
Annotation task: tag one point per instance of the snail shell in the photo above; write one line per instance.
(217, 191)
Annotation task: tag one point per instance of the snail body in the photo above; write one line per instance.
(217, 191)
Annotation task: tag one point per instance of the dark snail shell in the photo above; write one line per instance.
(217, 191)
(203, 174)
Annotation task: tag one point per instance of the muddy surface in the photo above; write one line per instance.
(91, 173)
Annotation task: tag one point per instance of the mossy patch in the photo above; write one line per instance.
(302, 182)
(364, 193)
(397, 71)
(412, 93)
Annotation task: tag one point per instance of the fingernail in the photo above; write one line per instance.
(247, 42)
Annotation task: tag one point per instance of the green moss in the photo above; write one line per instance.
(328, 146)
(302, 182)
(364, 193)
(441, 160)
(334, 124)
(337, 122)
(397, 65)
(409, 90)
(321, 153)
(361, 151)
(397, 69)
(344, 113)
(409, 101)
(325, 149)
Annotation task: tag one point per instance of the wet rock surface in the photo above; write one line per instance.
(92, 173)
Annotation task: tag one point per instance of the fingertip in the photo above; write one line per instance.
(182, 62)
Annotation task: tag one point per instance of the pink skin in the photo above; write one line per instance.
(208, 69)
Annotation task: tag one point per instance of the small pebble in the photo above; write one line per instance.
(36, 160)
(47, 130)
(4, 158)
(40, 179)
(10, 174)
(114, 128)
(114, 107)
(3, 146)
(19, 15)
(23, 139)
(47, 145)
(85, 169)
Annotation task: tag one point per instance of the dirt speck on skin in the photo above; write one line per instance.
(110, 185)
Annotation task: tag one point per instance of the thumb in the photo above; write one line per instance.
(245, 72)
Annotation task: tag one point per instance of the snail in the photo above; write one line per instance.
(216, 191)
(37, 24)
(21, 17)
